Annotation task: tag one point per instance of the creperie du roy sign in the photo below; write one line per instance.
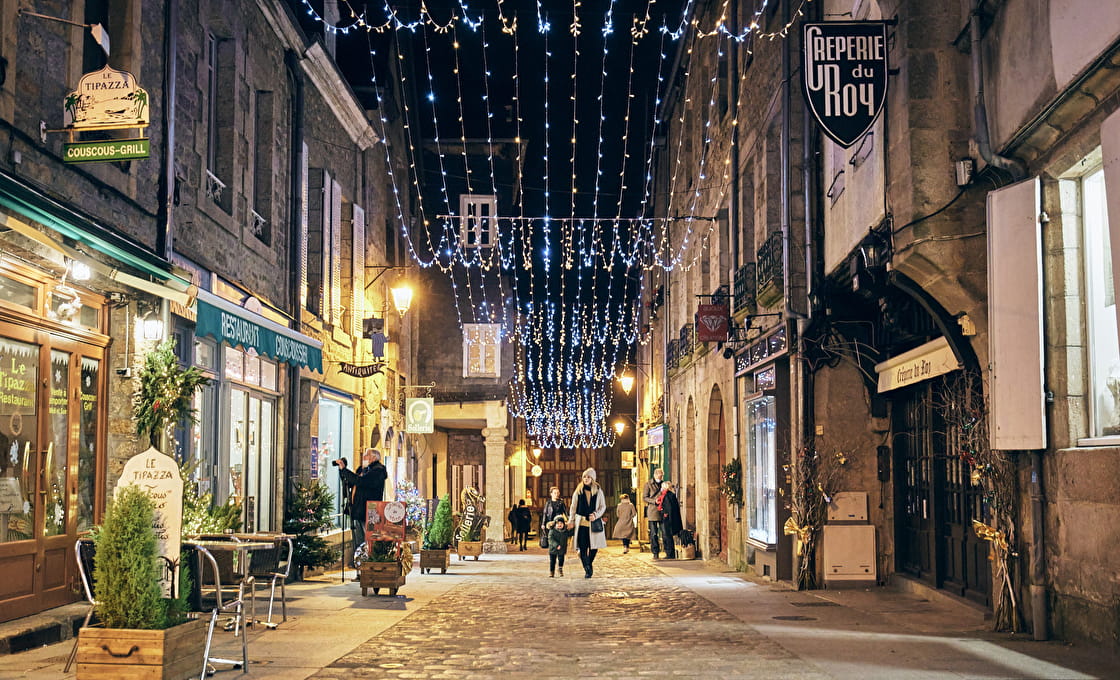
(844, 76)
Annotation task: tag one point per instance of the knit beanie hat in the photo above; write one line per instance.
(590, 472)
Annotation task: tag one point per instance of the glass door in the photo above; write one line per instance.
(251, 457)
(762, 470)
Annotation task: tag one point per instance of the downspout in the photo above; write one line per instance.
(295, 211)
(979, 110)
(1039, 606)
(166, 233)
(736, 220)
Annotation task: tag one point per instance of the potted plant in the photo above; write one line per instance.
(383, 564)
(309, 513)
(142, 634)
(165, 396)
(435, 552)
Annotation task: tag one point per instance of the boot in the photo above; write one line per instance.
(552, 574)
(561, 571)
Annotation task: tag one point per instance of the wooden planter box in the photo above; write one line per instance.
(469, 549)
(434, 559)
(171, 654)
(378, 575)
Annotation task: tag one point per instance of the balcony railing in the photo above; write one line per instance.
(746, 288)
(686, 341)
(672, 355)
(770, 270)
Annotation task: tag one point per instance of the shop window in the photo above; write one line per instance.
(54, 464)
(87, 442)
(336, 440)
(762, 470)
(18, 293)
(19, 442)
(1104, 352)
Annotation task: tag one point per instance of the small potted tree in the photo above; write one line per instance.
(308, 514)
(142, 634)
(435, 552)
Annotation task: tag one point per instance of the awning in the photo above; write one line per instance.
(37, 206)
(227, 322)
(921, 363)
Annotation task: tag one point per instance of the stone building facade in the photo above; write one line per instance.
(972, 242)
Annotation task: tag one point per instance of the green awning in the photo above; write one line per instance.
(226, 322)
(34, 205)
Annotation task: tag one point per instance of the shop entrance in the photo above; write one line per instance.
(935, 500)
(50, 397)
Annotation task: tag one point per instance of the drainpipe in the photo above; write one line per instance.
(735, 219)
(1039, 606)
(295, 211)
(979, 110)
(165, 234)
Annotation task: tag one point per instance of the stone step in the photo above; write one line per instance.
(53, 625)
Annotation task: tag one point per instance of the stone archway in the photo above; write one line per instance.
(716, 458)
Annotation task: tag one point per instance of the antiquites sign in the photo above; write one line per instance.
(844, 75)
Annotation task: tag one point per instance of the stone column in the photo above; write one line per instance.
(496, 503)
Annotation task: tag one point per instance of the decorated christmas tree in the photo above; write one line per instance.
(308, 512)
(438, 536)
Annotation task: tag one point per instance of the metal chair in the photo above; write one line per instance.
(84, 550)
(235, 607)
(274, 565)
(231, 578)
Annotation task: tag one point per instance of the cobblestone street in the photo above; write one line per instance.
(514, 621)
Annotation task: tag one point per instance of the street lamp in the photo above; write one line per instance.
(402, 297)
(627, 382)
(620, 426)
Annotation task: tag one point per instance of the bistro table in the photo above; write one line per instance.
(241, 550)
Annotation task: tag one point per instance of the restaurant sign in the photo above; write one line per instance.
(921, 363)
(109, 150)
(844, 76)
(108, 99)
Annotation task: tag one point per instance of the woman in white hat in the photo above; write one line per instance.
(588, 506)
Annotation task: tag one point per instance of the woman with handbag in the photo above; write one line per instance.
(588, 506)
(624, 528)
(553, 507)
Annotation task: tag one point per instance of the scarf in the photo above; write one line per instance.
(661, 498)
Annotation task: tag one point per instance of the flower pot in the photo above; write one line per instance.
(434, 559)
(469, 549)
(378, 575)
(171, 654)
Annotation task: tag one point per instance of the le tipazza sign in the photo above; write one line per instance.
(844, 76)
(105, 100)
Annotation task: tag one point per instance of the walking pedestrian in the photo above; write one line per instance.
(558, 535)
(512, 519)
(650, 493)
(553, 508)
(524, 517)
(625, 527)
(588, 506)
(670, 518)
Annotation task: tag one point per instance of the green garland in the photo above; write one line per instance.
(166, 393)
(731, 481)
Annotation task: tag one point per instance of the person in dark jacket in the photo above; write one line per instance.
(367, 484)
(671, 524)
(553, 508)
(524, 518)
(650, 493)
(558, 535)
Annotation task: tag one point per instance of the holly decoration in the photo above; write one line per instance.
(731, 482)
(166, 393)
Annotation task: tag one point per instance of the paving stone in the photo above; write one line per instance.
(515, 621)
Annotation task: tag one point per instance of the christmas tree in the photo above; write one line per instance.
(309, 512)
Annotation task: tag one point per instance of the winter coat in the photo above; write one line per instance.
(368, 484)
(558, 540)
(592, 511)
(524, 518)
(551, 510)
(649, 497)
(671, 514)
(624, 524)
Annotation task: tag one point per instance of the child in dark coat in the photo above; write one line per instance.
(558, 535)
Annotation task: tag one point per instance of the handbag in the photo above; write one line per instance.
(544, 539)
(597, 525)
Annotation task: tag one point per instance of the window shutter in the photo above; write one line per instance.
(318, 241)
(1110, 150)
(358, 281)
(333, 311)
(1017, 414)
(302, 255)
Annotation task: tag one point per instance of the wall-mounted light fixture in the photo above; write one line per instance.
(402, 297)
